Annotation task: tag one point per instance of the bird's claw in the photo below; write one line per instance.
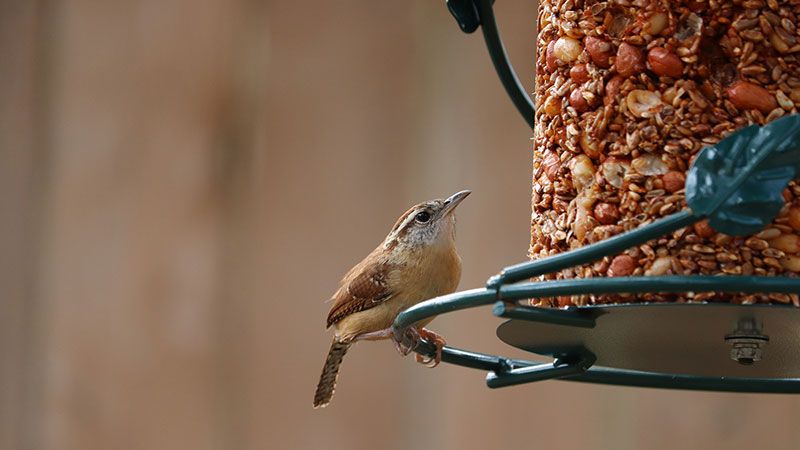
(411, 338)
(407, 342)
(438, 341)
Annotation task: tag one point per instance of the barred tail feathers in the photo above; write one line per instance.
(330, 372)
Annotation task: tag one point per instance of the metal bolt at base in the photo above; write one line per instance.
(746, 354)
(747, 341)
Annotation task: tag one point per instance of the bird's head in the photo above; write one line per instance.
(427, 223)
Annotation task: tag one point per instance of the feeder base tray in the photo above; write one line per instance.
(709, 340)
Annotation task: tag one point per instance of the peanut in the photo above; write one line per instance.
(606, 213)
(673, 181)
(630, 60)
(591, 146)
(649, 164)
(703, 229)
(577, 101)
(622, 265)
(643, 103)
(582, 172)
(579, 74)
(664, 63)
(599, 51)
(614, 169)
(567, 49)
(552, 106)
(746, 95)
(550, 58)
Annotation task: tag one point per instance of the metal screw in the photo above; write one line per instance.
(747, 342)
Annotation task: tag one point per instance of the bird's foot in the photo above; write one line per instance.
(407, 342)
(435, 339)
(410, 339)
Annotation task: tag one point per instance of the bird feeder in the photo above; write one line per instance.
(665, 238)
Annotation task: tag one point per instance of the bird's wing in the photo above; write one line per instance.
(367, 288)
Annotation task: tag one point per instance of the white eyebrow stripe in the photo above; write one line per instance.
(396, 232)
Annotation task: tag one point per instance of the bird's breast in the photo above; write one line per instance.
(436, 274)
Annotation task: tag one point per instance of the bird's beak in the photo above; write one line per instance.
(451, 202)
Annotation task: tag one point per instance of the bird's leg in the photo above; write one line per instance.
(435, 339)
(404, 344)
(374, 335)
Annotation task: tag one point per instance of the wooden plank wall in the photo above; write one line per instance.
(181, 185)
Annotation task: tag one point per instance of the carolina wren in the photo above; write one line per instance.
(416, 261)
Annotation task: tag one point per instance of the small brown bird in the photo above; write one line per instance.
(416, 261)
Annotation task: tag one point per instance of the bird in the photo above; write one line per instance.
(416, 261)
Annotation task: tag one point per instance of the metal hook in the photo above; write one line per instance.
(470, 14)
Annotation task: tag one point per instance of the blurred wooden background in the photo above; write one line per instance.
(182, 183)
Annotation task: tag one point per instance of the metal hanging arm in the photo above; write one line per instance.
(470, 14)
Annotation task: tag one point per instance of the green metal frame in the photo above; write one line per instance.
(576, 365)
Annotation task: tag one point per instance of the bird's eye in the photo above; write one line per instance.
(423, 217)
